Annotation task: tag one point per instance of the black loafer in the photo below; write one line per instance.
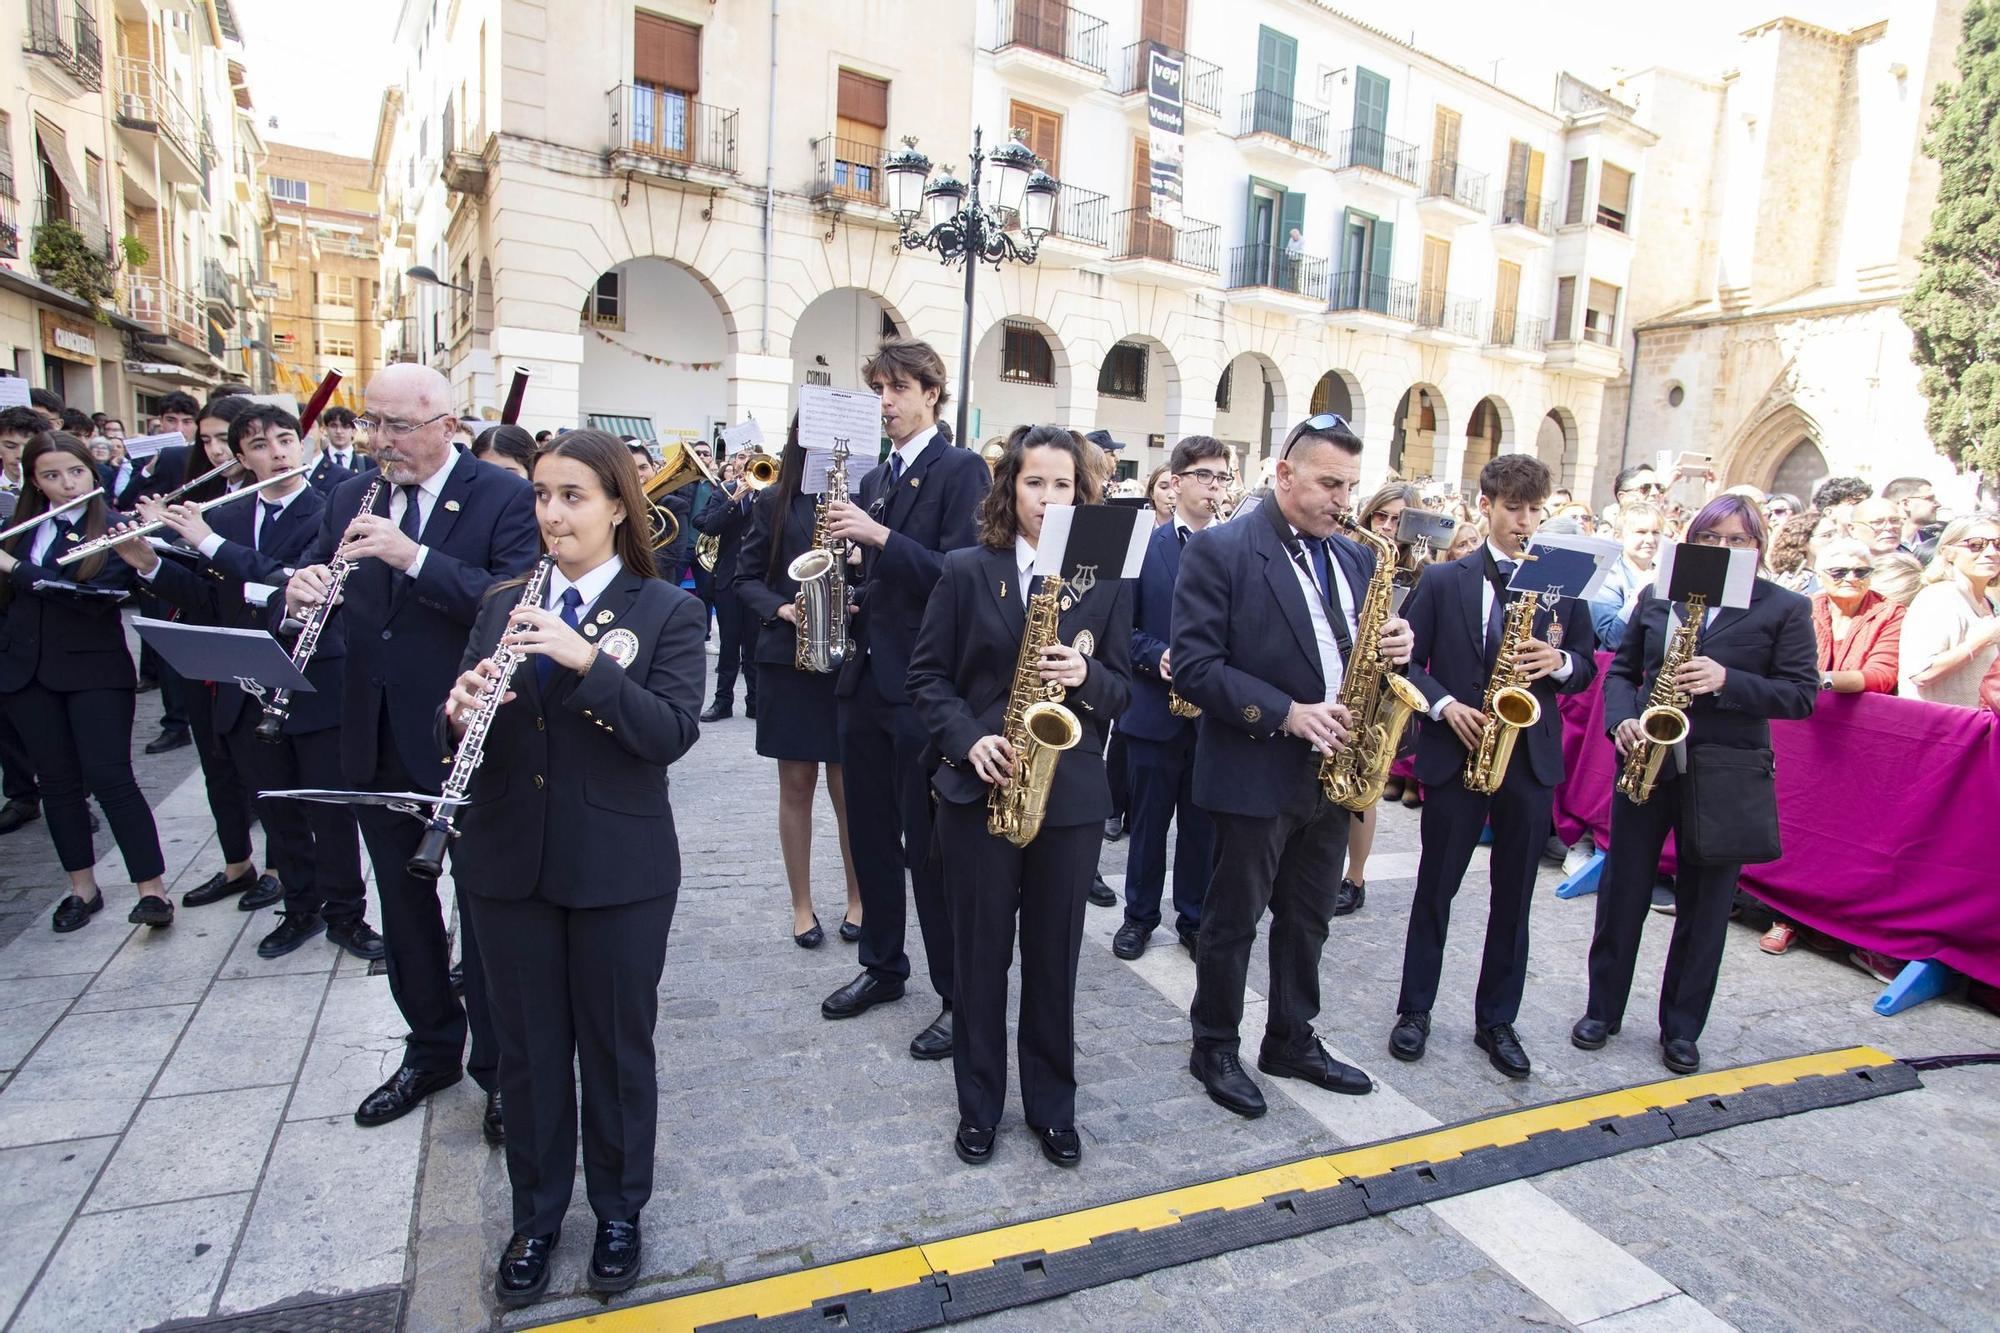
(1590, 1034)
(1190, 940)
(170, 738)
(73, 913)
(934, 1042)
(152, 911)
(1410, 1035)
(1315, 1066)
(493, 1123)
(750, 709)
(267, 890)
(850, 931)
(810, 939)
(524, 1269)
(1221, 1074)
(16, 813)
(718, 711)
(403, 1093)
(860, 995)
(217, 887)
(1114, 828)
(1503, 1048)
(1130, 941)
(294, 929)
(358, 938)
(1347, 899)
(973, 1146)
(1680, 1055)
(1062, 1147)
(614, 1259)
(1101, 894)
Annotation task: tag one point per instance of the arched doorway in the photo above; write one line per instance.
(1340, 393)
(836, 333)
(654, 342)
(1020, 374)
(1250, 411)
(1800, 471)
(1420, 420)
(1486, 436)
(1555, 445)
(1138, 397)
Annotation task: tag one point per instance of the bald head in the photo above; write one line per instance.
(411, 406)
(1877, 523)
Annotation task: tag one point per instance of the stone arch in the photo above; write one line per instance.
(1762, 447)
(1134, 421)
(1007, 395)
(1257, 413)
(1340, 391)
(836, 332)
(1555, 445)
(1489, 432)
(660, 360)
(1800, 471)
(1419, 433)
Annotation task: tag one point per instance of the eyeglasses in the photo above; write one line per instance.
(1645, 488)
(1207, 476)
(1880, 524)
(1778, 511)
(1978, 544)
(1740, 542)
(395, 429)
(1847, 575)
(1318, 424)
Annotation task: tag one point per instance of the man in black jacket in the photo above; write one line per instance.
(726, 517)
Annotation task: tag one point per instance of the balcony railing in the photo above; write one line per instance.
(1054, 29)
(1137, 234)
(1356, 289)
(215, 282)
(1599, 334)
(166, 309)
(1510, 329)
(1201, 82)
(672, 127)
(96, 235)
(1266, 112)
(1082, 216)
(1447, 313)
(146, 101)
(65, 32)
(1272, 266)
(1450, 179)
(1518, 208)
(848, 169)
(1376, 151)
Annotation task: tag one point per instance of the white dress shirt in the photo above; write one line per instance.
(909, 449)
(591, 587)
(1024, 561)
(1330, 664)
(1559, 675)
(428, 491)
(213, 541)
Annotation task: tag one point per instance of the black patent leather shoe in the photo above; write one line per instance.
(524, 1269)
(1221, 1073)
(403, 1093)
(1063, 1147)
(1114, 828)
(850, 931)
(294, 929)
(217, 887)
(934, 1042)
(493, 1123)
(973, 1146)
(358, 938)
(1101, 894)
(1347, 899)
(152, 910)
(1590, 1034)
(718, 711)
(170, 738)
(810, 939)
(16, 813)
(860, 995)
(1317, 1067)
(614, 1259)
(73, 913)
(1680, 1055)
(267, 890)
(1503, 1048)
(1130, 941)
(1410, 1035)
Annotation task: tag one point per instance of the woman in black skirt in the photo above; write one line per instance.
(796, 711)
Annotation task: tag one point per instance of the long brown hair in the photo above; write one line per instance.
(998, 525)
(96, 515)
(606, 455)
(791, 476)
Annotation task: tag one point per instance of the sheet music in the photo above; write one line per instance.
(827, 414)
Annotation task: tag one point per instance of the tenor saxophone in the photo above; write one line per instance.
(1665, 721)
(1509, 704)
(1037, 728)
(1379, 699)
(820, 608)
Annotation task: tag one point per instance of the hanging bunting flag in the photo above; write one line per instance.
(657, 360)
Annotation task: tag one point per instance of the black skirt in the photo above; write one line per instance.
(797, 716)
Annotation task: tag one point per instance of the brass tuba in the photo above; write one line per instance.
(1380, 699)
(680, 465)
(1665, 721)
(1509, 704)
(1037, 727)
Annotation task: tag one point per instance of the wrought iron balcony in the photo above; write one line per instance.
(66, 33)
(1512, 329)
(1266, 265)
(1373, 150)
(1082, 216)
(96, 236)
(165, 309)
(1448, 178)
(1266, 112)
(10, 231)
(146, 101)
(671, 128)
(1054, 29)
(1201, 82)
(1356, 289)
(1455, 315)
(1137, 234)
(1518, 208)
(848, 170)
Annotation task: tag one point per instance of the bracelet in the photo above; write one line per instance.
(591, 662)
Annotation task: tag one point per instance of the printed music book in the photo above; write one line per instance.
(1565, 565)
(1085, 543)
(1721, 575)
(250, 657)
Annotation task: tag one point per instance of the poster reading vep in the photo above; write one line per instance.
(1166, 117)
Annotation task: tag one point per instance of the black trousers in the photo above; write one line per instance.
(1290, 864)
(419, 951)
(739, 637)
(1117, 770)
(1162, 776)
(228, 791)
(315, 847)
(1702, 899)
(575, 987)
(1452, 819)
(173, 687)
(704, 588)
(889, 830)
(992, 885)
(17, 771)
(80, 742)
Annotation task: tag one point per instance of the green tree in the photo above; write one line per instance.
(1954, 308)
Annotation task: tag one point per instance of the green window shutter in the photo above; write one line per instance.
(1371, 118)
(1277, 61)
(1378, 266)
(1250, 236)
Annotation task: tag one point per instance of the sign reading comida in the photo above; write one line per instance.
(1166, 117)
(70, 339)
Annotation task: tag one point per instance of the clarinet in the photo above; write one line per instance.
(428, 863)
(271, 726)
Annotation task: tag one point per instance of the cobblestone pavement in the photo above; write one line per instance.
(176, 1136)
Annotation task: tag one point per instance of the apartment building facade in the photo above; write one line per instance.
(325, 264)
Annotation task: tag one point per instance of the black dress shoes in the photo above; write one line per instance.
(1503, 1048)
(1410, 1035)
(16, 813)
(1347, 899)
(358, 938)
(614, 1259)
(267, 890)
(1315, 1066)
(1680, 1055)
(493, 1124)
(850, 931)
(1221, 1073)
(1114, 828)
(217, 887)
(860, 995)
(934, 1042)
(1130, 941)
(1101, 894)
(524, 1269)
(294, 929)
(403, 1093)
(1590, 1034)
(1190, 939)
(973, 1146)
(170, 738)
(153, 911)
(73, 913)
(750, 709)
(810, 939)
(718, 710)
(1063, 1147)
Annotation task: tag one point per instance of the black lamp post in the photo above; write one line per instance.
(964, 226)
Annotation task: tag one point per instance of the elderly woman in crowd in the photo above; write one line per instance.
(1792, 550)
(1952, 634)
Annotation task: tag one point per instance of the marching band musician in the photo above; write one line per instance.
(913, 507)
(338, 458)
(726, 517)
(962, 674)
(568, 854)
(797, 724)
(1264, 619)
(451, 526)
(68, 686)
(1457, 612)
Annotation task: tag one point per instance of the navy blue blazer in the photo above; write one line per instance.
(932, 511)
(63, 641)
(168, 471)
(570, 803)
(1244, 651)
(1152, 632)
(1452, 657)
(1769, 658)
(728, 520)
(405, 636)
(962, 672)
(327, 474)
(777, 639)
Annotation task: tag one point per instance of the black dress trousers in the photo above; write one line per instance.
(17, 771)
(81, 744)
(1162, 777)
(315, 846)
(228, 791)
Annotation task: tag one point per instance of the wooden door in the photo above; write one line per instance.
(1444, 151)
(1042, 132)
(1146, 238)
(1506, 304)
(1430, 290)
(1165, 22)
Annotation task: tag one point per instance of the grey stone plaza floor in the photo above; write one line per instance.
(176, 1137)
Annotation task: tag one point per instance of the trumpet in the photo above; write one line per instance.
(109, 540)
(48, 514)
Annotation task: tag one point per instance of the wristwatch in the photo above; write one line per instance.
(1825, 681)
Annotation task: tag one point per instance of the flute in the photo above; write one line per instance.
(176, 494)
(48, 514)
(111, 539)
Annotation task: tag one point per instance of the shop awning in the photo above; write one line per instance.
(55, 147)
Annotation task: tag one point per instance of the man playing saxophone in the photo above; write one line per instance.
(1473, 643)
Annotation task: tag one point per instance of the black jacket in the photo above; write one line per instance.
(777, 639)
(1769, 658)
(64, 641)
(327, 474)
(962, 673)
(728, 520)
(168, 471)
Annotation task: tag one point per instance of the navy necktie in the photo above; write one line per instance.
(268, 528)
(895, 470)
(545, 667)
(1496, 619)
(412, 522)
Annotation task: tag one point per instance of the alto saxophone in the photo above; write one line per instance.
(428, 862)
(1379, 699)
(1509, 704)
(271, 726)
(1665, 721)
(1037, 728)
(820, 608)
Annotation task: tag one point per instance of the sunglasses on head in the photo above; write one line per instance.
(1848, 574)
(1318, 424)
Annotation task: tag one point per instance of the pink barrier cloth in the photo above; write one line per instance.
(1884, 807)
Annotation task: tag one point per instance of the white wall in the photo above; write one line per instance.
(667, 314)
(844, 327)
